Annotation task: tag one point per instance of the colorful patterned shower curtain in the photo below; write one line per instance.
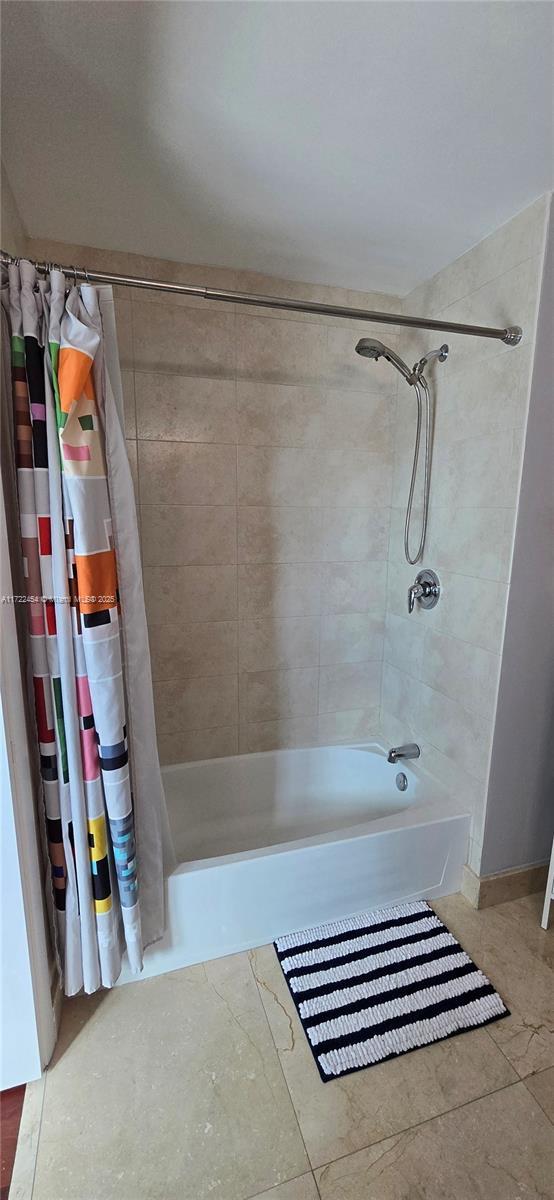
(103, 798)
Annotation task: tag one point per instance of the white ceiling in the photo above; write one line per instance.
(363, 144)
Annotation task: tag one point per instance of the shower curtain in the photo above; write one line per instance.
(104, 807)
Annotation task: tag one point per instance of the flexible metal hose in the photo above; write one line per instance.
(427, 474)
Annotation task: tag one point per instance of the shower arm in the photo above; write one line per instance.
(510, 335)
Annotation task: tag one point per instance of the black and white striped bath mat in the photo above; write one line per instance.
(379, 984)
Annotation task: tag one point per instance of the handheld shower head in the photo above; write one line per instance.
(372, 348)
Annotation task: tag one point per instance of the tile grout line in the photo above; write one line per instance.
(535, 1098)
(39, 1131)
(420, 1124)
(272, 1191)
(250, 954)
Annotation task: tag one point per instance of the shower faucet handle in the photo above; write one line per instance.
(426, 590)
(414, 592)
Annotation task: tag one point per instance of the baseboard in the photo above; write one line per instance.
(483, 891)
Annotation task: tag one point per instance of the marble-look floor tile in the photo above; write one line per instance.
(497, 1148)
(542, 1087)
(506, 942)
(303, 1188)
(171, 1089)
(21, 1186)
(346, 1114)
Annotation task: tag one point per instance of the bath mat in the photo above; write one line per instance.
(381, 984)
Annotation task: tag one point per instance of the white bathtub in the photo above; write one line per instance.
(272, 843)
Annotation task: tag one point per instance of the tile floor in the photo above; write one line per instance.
(200, 1085)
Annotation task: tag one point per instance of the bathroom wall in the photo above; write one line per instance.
(262, 449)
(519, 819)
(441, 667)
(269, 461)
(13, 236)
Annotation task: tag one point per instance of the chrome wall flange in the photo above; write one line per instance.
(426, 590)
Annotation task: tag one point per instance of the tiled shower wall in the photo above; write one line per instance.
(441, 668)
(269, 460)
(262, 450)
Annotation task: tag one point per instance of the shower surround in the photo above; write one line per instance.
(272, 471)
(262, 449)
(442, 666)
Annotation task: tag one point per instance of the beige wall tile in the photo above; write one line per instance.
(280, 351)
(398, 698)
(175, 594)
(279, 476)
(298, 476)
(131, 448)
(175, 535)
(462, 735)
(286, 415)
(357, 534)
(482, 398)
(197, 744)
(480, 472)
(478, 538)
(351, 638)
(181, 408)
(173, 339)
(201, 648)
(508, 299)
(272, 695)
(258, 284)
(128, 385)
(287, 590)
(279, 534)
(269, 285)
(196, 703)
(267, 644)
(349, 685)
(357, 725)
(187, 473)
(194, 274)
(123, 320)
(472, 609)
(354, 587)
(272, 414)
(466, 673)
(277, 735)
(404, 644)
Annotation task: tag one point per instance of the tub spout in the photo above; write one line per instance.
(411, 750)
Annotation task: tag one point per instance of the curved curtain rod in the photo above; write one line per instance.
(511, 334)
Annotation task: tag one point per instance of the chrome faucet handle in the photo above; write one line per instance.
(426, 590)
(414, 592)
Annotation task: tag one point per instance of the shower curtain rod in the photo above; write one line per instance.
(511, 335)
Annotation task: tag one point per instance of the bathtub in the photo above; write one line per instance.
(272, 843)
